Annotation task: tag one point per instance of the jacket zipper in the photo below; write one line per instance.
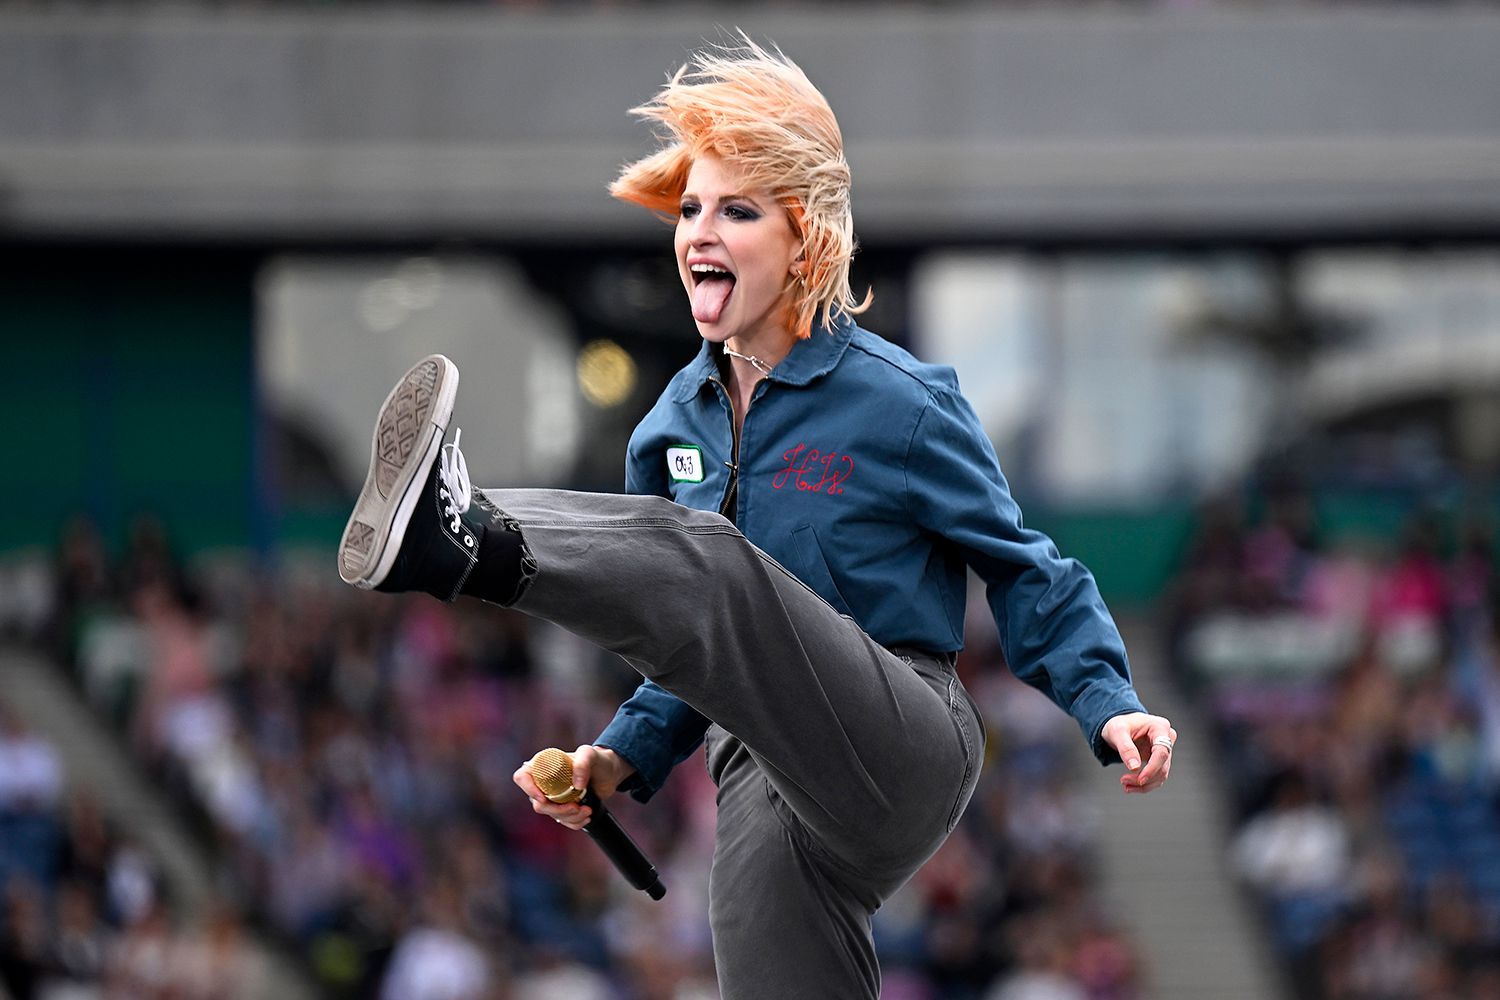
(726, 508)
(731, 495)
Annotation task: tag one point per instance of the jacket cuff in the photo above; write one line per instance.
(643, 751)
(1097, 705)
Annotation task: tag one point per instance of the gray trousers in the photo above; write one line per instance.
(841, 765)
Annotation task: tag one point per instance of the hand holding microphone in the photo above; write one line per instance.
(548, 779)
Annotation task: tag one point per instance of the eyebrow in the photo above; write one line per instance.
(736, 196)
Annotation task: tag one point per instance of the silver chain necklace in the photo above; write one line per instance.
(755, 362)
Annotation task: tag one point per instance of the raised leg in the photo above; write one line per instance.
(873, 754)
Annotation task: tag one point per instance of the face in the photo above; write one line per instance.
(736, 250)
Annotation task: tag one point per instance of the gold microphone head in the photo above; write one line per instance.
(553, 771)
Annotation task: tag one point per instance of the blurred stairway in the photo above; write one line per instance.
(92, 761)
(1163, 864)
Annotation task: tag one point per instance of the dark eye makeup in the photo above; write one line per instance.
(737, 212)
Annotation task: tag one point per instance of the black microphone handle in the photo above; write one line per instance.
(620, 849)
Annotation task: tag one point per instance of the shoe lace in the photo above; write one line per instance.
(453, 471)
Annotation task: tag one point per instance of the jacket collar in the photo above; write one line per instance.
(809, 359)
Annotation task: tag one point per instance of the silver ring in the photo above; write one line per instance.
(1162, 741)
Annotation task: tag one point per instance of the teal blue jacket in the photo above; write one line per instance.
(866, 473)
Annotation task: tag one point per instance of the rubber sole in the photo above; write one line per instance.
(407, 437)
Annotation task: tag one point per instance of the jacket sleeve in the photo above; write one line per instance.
(1055, 631)
(654, 729)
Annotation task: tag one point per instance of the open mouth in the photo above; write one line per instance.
(712, 285)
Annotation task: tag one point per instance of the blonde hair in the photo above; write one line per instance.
(758, 109)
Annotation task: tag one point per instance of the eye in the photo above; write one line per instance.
(741, 214)
(688, 210)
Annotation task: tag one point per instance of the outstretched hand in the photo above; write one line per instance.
(1139, 737)
(593, 767)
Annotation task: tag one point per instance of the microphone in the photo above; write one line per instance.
(553, 771)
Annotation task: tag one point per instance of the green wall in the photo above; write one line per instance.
(126, 386)
(1131, 553)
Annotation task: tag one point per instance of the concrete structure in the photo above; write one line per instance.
(364, 122)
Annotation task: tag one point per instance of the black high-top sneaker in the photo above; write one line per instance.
(411, 528)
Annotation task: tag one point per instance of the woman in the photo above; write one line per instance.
(817, 661)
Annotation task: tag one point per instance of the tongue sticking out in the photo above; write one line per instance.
(709, 296)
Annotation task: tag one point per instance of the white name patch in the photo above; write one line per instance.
(685, 463)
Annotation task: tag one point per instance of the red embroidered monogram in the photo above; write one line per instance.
(814, 470)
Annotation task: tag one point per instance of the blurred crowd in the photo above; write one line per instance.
(348, 759)
(1354, 685)
(82, 909)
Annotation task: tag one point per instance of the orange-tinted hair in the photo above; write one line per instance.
(758, 109)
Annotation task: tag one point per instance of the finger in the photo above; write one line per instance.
(572, 815)
(526, 782)
(563, 812)
(1131, 756)
(569, 814)
(1134, 782)
(1133, 785)
(1154, 767)
(583, 766)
